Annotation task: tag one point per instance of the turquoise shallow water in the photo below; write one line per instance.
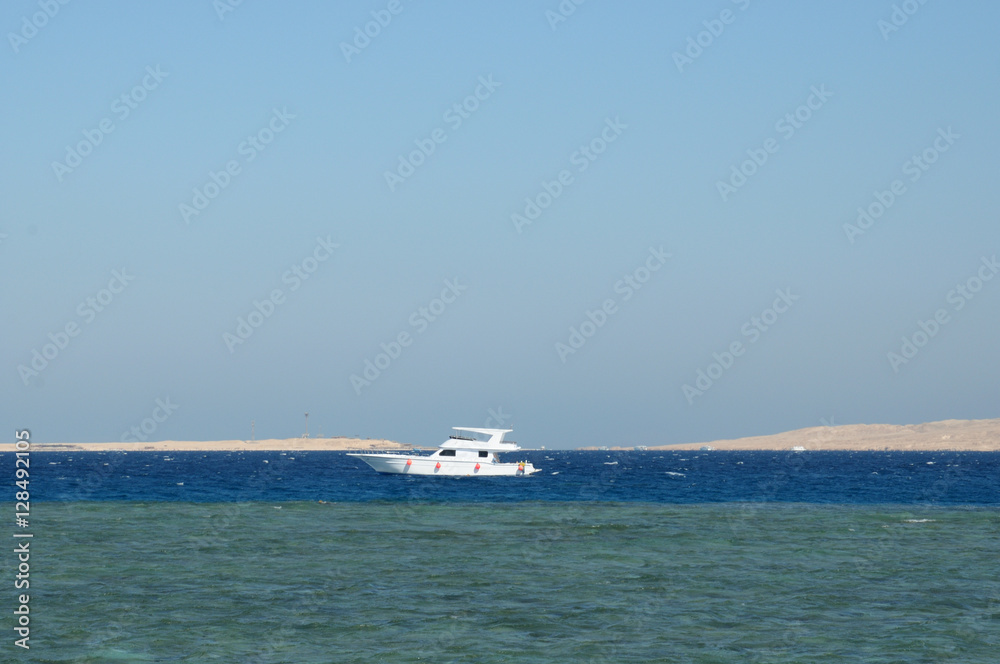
(522, 582)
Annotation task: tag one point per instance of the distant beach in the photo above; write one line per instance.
(268, 445)
(958, 435)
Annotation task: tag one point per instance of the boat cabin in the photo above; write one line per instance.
(483, 456)
(481, 446)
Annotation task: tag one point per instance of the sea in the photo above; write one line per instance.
(639, 556)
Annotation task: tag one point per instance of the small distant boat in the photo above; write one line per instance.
(798, 448)
(706, 448)
(459, 456)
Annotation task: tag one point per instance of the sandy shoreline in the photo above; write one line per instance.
(270, 445)
(957, 435)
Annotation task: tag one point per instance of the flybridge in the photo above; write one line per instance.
(495, 442)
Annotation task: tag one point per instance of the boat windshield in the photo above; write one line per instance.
(473, 436)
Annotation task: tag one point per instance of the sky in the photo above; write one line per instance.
(634, 223)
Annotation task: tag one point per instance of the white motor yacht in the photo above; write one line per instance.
(458, 456)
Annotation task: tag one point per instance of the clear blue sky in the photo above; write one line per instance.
(309, 129)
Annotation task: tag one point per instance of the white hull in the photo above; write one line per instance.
(397, 464)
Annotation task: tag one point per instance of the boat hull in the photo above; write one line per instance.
(396, 464)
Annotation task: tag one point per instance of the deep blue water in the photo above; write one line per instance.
(946, 478)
